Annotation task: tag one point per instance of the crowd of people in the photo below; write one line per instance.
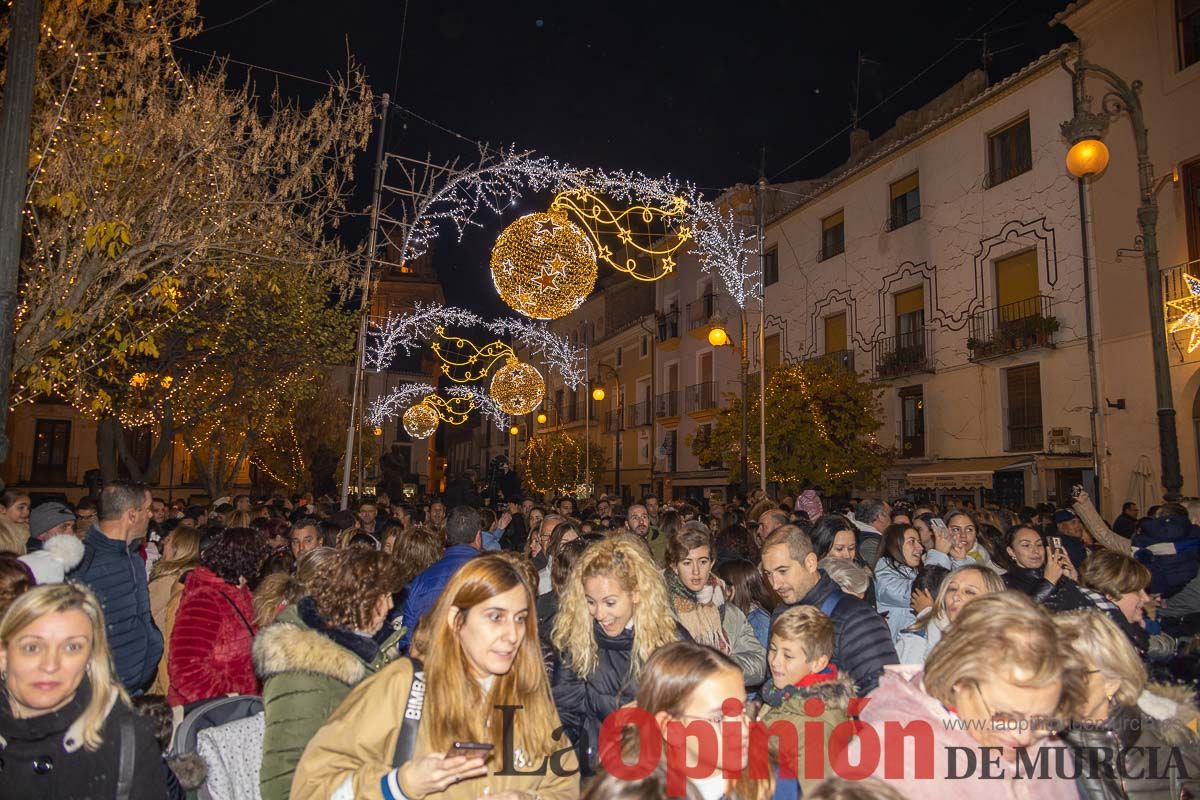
(764, 647)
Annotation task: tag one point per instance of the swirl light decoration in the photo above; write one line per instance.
(649, 235)
(518, 387)
(543, 265)
(421, 420)
(468, 354)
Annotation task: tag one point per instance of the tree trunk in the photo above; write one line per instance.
(107, 434)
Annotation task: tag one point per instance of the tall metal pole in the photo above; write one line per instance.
(762, 326)
(372, 237)
(15, 121)
(744, 373)
(587, 410)
(1124, 97)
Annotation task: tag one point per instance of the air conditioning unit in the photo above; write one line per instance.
(1076, 444)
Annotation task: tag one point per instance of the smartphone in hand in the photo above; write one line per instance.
(469, 750)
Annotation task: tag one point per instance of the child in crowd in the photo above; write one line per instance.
(798, 658)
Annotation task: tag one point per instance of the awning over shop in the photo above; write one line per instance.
(968, 473)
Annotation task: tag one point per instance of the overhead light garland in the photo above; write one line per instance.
(501, 178)
(468, 355)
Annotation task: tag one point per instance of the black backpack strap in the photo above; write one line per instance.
(128, 750)
(406, 742)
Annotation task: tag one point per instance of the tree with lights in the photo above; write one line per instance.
(158, 201)
(554, 464)
(821, 423)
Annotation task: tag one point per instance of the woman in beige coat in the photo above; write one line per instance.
(394, 735)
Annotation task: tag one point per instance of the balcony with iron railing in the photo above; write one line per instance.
(1024, 438)
(701, 311)
(575, 413)
(904, 354)
(638, 414)
(612, 421)
(1011, 328)
(701, 397)
(666, 405)
(668, 325)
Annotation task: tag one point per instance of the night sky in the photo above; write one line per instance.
(692, 89)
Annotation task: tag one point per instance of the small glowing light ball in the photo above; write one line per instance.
(598, 393)
(541, 418)
(378, 431)
(514, 430)
(543, 265)
(717, 337)
(517, 387)
(420, 420)
(1087, 157)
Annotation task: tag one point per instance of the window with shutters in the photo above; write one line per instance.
(1024, 430)
(835, 333)
(771, 266)
(1009, 152)
(833, 235)
(910, 313)
(905, 201)
(1187, 23)
(1017, 286)
(912, 422)
(51, 446)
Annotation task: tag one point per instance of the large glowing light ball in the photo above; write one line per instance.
(420, 420)
(543, 265)
(518, 388)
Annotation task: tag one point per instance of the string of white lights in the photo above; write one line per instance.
(410, 331)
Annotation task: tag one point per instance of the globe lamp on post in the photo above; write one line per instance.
(514, 430)
(1087, 157)
(541, 418)
(598, 393)
(717, 336)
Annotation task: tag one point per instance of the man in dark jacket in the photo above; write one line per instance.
(113, 569)
(862, 644)
(463, 535)
(1126, 521)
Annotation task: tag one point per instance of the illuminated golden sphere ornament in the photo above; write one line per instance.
(1087, 157)
(544, 265)
(420, 420)
(541, 418)
(598, 393)
(518, 388)
(717, 336)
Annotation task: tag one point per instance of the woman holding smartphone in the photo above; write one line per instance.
(483, 657)
(956, 543)
(1037, 573)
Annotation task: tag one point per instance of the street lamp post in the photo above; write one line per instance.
(1088, 156)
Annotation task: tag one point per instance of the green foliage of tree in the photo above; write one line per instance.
(821, 423)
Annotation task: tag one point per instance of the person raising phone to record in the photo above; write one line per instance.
(483, 656)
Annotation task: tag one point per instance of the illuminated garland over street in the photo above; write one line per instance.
(501, 178)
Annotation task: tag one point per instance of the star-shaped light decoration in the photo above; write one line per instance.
(1190, 306)
(544, 227)
(557, 265)
(668, 264)
(547, 280)
(605, 252)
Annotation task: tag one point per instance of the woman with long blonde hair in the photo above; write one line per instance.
(66, 725)
(614, 612)
(482, 657)
(962, 585)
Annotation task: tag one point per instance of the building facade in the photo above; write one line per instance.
(943, 263)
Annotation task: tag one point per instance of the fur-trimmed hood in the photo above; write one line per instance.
(290, 645)
(1174, 709)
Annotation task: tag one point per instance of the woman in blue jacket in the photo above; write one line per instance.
(894, 575)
